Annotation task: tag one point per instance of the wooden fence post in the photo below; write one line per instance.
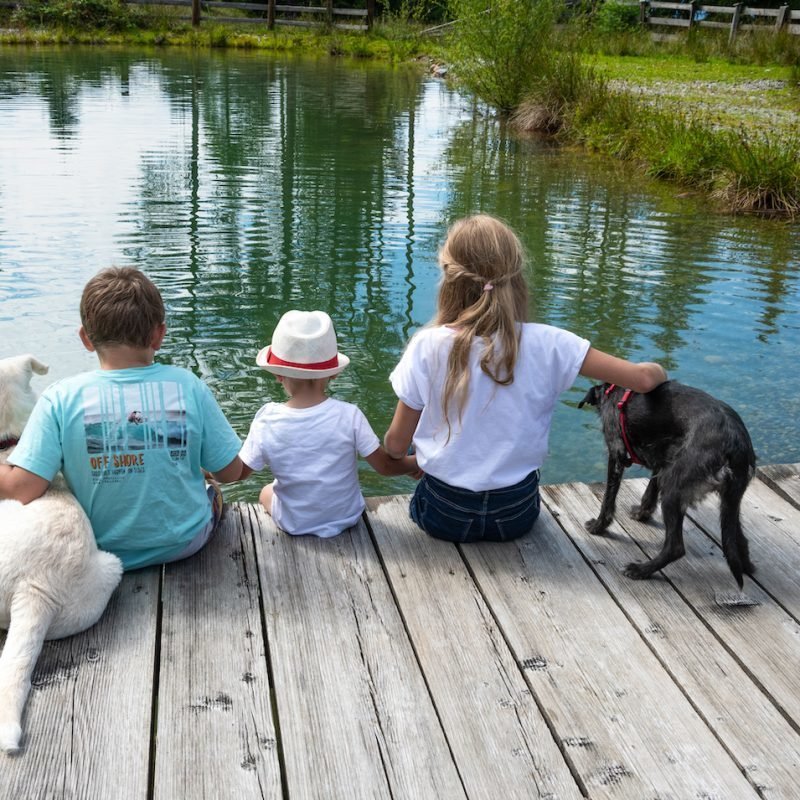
(644, 5)
(692, 12)
(371, 13)
(780, 20)
(270, 14)
(737, 13)
(195, 13)
(329, 12)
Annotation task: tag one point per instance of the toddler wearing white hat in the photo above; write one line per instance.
(312, 442)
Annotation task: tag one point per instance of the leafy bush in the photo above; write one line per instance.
(108, 14)
(616, 18)
(501, 49)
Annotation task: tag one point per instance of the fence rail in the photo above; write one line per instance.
(291, 14)
(741, 17)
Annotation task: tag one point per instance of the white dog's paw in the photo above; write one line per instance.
(10, 734)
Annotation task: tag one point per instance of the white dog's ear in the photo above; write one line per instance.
(38, 367)
(34, 365)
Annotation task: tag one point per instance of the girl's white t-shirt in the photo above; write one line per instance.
(313, 454)
(503, 431)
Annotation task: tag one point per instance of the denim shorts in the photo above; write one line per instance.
(460, 515)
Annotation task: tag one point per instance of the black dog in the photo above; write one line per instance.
(693, 444)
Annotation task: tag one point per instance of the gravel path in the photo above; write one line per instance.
(764, 105)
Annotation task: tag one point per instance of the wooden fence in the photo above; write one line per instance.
(734, 18)
(327, 14)
(300, 15)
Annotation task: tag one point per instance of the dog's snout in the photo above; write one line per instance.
(591, 397)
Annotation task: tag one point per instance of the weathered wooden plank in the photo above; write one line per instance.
(671, 21)
(757, 627)
(668, 6)
(214, 724)
(301, 9)
(752, 11)
(765, 746)
(625, 726)
(772, 526)
(87, 723)
(355, 717)
(783, 479)
(238, 6)
(499, 739)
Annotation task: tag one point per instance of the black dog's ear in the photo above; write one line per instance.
(592, 397)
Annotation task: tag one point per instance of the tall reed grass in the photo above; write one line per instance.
(741, 172)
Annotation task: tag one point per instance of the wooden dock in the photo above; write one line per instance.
(385, 664)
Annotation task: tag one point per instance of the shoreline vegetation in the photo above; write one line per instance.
(709, 115)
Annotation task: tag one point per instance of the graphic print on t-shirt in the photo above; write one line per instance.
(122, 422)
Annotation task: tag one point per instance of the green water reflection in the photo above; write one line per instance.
(248, 185)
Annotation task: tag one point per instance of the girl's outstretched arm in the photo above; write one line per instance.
(401, 430)
(641, 377)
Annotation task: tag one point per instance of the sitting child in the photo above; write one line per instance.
(312, 442)
(477, 390)
(132, 438)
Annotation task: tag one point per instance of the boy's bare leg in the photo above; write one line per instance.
(265, 498)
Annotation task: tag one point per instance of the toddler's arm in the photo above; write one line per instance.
(19, 484)
(642, 377)
(384, 464)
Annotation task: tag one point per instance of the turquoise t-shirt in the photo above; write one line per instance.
(131, 444)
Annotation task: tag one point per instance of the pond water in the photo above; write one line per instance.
(247, 185)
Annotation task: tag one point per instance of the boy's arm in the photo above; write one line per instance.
(384, 464)
(19, 484)
(233, 472)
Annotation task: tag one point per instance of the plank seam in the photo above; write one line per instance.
(410, 639)
(579, 782)
(736, 761)
(151, 761)
(248, 524)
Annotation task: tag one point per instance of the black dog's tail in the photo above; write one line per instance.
(734, 542)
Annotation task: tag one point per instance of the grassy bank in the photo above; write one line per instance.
(730, 133)
(711, 117)
(381, 44)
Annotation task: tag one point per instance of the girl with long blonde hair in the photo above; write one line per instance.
(477, 388)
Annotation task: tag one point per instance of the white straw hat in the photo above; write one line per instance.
(303, 346)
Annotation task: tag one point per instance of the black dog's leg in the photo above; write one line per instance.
(613, 479)
(647, 505)
(673, 513)
(734, 542)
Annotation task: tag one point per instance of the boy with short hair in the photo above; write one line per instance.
(132, 438)
(312, 441)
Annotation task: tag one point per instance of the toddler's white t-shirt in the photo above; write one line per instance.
(503, 432)
(313, 454)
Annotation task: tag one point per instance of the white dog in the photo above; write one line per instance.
(54, 582)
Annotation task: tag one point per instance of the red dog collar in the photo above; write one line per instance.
(632, 457)
(10, 442)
